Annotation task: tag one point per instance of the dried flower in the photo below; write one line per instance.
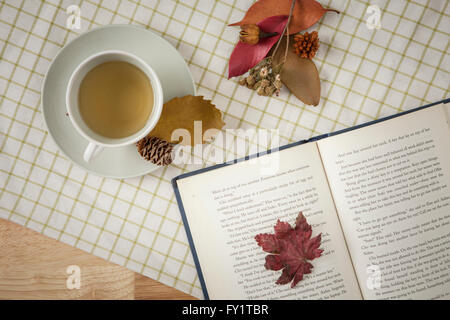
(264, 72)
(269, 90)
(261, 91)
(250, 80)
(264, 78)
(249, 34)
(277, 84)
(265, 83)
(307, 44)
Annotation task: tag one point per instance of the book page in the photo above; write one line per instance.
(390, 183)
(227, 207)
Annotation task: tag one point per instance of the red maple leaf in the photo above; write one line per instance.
(291, 249)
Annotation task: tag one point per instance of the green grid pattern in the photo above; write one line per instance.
(365, 74)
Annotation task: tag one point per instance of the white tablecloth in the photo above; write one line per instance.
(365, 74)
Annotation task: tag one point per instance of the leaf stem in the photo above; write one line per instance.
(287, 45)
(286, 27)
(333, 10)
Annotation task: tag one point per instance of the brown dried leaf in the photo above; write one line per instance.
(181, 113)
(299, 75)
(306, 13)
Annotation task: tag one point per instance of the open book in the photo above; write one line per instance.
(379, 194)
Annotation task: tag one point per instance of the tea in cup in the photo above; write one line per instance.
(113, 99)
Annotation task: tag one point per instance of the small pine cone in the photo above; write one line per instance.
(155, 150)
(243, 82)
(307, 44)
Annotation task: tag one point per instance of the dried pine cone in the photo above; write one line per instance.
(307, 44)
(155, 150)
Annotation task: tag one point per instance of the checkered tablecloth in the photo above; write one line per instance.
(365, 74)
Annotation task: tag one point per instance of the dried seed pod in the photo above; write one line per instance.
(249, 34)
(307, 44)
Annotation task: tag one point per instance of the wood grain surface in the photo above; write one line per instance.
(33, 266)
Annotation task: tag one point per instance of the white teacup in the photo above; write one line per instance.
(96, 141)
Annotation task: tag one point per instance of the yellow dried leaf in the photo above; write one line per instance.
(182, 115)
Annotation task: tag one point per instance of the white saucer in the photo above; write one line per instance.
(172, 70)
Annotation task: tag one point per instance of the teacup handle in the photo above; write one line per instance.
(92, 150)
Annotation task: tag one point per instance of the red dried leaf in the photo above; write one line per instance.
(282, 229)
(306, 13)
(290, 249)
(268, 242)
(246, 56)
